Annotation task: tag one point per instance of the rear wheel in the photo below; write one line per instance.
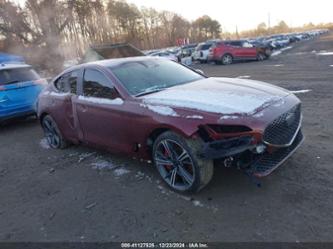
(227, 59)
(52, 133)
(178, 163)
(261, 57)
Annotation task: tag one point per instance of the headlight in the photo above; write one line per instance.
(229, 128)
(217, 132)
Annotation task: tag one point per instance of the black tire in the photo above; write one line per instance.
(261, 57)
(199, 172)
(52, 133)
(227, 59)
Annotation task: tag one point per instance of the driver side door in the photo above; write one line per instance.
(99, 110)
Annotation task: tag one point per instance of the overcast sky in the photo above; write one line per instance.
(246, 14)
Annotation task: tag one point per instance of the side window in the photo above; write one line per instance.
(9, 76)
(247, 45)
(236, 44)
(72, 81)
(67, 82)
(96, 84)
(206, 47)
(60, 83)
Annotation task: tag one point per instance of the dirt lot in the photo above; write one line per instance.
(80, 194)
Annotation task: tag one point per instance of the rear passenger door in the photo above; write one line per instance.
(62, 103)
(249, 50)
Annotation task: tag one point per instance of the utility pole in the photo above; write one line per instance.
(269, 20)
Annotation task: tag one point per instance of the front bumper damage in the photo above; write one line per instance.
(228, 147)
(268, 162)
(260, 164)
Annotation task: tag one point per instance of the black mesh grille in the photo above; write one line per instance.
(268, 162)
(282, 130)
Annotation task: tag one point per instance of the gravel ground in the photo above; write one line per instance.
(80, 194)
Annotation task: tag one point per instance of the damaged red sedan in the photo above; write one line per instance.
(185, 122)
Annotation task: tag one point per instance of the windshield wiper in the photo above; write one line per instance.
(150, 91)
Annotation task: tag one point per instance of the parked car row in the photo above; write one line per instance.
(282, 40)
(227, 51)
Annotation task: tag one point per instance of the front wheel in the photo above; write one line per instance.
(52, 133)
(179, 165)
(227, 59)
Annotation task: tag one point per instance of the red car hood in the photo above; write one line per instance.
(226, 96)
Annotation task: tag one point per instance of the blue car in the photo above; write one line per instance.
(20, 86)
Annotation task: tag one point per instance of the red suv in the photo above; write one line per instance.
(225, 52)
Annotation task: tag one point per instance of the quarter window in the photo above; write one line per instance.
(60, 83)
(67, 82)
(96, 84)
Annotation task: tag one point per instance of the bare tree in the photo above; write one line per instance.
(49, 30)
(206, 28)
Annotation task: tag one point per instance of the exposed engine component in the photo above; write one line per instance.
(228, 162)
(260, 149)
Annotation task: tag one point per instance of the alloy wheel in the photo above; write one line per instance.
(51, 133)
(227, 59)
(174, 164)
(260, 57)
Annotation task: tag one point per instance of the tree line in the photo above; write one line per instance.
(47, 31)
(282, 27)
(51, 29)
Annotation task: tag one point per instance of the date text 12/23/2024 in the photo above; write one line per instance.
(164, 245)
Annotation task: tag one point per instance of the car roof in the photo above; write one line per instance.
(118, 61)
(4, 66)
(112, 62)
